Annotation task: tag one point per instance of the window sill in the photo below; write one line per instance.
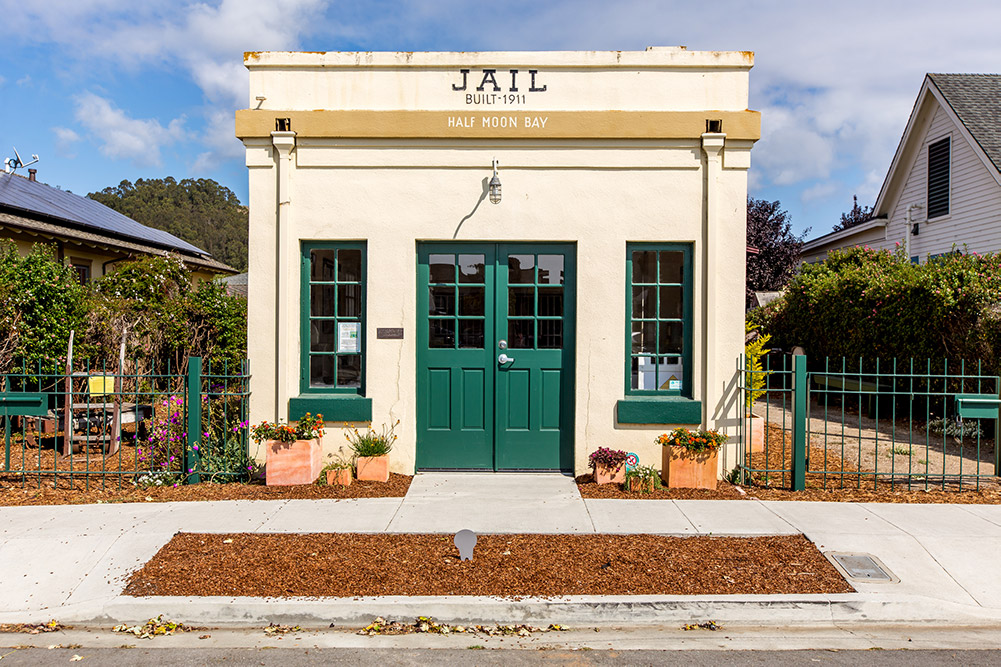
(658, 410)
(333, 407)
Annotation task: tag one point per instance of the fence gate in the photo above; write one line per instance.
(86, 425)
(877, 425)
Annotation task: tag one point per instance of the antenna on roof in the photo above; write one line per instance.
(12, 164)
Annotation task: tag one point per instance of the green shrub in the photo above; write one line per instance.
(42, 301)
(868, 304)
(372, 443)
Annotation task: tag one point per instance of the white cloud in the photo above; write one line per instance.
(65, 139)
(122, 137)
(24, 80)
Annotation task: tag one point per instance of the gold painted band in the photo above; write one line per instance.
(521, 124)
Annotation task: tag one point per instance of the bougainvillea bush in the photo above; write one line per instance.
(865, 303)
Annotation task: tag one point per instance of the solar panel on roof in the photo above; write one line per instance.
(21, 193)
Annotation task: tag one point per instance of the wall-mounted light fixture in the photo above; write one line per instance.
(495, 186)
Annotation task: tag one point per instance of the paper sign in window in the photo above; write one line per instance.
(348, 337)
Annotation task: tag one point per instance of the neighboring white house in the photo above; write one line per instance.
(943, 189)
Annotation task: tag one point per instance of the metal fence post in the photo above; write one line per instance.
(192, 455)
(800, 407)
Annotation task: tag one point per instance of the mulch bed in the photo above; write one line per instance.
(727, 491)
(350, 565)
(30, 494)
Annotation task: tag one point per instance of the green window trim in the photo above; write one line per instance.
(333, 407)
(658, 410)
(659, 285)
(309, 320)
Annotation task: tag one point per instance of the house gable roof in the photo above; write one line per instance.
(36, 199)
(977, 97)
(976, 100)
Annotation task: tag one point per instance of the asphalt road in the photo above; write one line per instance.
(471, 656)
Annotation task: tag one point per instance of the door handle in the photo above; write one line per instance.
(504, 359)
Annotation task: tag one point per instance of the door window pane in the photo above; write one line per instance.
(521, 268)
(471, 334)
(521, 334)
(349, 265)
(471, 269)
(521, 301)
(321, 265)
(551, 302)
(442, 268)
(550, 269)
(441, 300)
(644, 266)
(441, 333)
(550, 334)
(471, 301)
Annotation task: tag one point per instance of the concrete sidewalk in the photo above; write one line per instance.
(68, 562)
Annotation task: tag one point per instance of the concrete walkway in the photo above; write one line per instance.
(68, 562)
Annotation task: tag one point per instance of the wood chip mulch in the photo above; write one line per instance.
(350, 565)
(726, 491)
(31, 494)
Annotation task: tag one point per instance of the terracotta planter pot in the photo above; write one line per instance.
(754, 434)
(683, 469)
(341, 476)
(609, 475)
(291, 463)
(639, 484)
(373, 468)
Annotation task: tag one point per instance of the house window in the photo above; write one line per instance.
(659, 319)
(82, 269)
(332, 338)
(938, 178)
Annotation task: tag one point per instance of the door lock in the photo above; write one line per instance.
(504, 359)
(502, 344)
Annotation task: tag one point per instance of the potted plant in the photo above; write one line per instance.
(293, 452)
(643, 479)
(609, 465)
(338, 471)
(690, 458)
(371, 450)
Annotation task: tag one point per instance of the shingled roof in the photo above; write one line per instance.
(37, 207)
(976, 99)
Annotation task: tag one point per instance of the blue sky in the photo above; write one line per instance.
(106, 90)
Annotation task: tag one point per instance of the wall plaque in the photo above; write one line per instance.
(381, 332)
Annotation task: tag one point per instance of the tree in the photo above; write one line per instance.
(201, 212)
(856, 216)
(769, 231)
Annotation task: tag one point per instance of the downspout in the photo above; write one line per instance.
(910, 227)
(712, 146)
(284, 143)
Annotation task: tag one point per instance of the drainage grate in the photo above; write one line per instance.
(862, 567)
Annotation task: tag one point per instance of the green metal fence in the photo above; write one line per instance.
(877, 425)
(91, 426)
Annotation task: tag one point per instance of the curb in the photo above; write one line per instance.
(757, 610)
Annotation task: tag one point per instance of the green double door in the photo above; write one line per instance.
(495, 347)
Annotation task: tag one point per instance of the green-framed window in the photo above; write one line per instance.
(659, 319)
(332, 315)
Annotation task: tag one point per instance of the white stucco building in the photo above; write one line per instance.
(591, 295)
